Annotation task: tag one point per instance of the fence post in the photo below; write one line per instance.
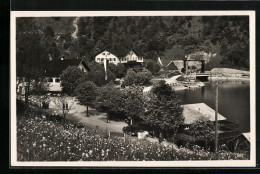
(109, 135)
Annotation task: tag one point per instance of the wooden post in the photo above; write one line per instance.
(216, 120)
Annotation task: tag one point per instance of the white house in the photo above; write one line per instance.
(132, 56)
(106, 55)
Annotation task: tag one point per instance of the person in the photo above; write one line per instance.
(160, 137)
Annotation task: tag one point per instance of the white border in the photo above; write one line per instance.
(216, 163)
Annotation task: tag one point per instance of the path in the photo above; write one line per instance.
(169, 81)
(96, 118)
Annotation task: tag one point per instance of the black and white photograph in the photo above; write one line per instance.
(133, 88)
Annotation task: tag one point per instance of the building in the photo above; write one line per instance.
(53, 72)
(130, 57)
(107, 56)
(227, 129)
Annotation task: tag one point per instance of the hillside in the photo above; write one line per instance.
(168, 37)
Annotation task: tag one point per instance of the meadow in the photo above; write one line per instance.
(42, 138)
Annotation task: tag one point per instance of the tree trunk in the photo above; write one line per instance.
(87, 111)
(64, 115)
(26, 95)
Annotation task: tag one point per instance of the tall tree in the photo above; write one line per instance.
(31, 54)
(71, 77)
(86, 93)
(133, 103)
(110, 100)
(163, 110)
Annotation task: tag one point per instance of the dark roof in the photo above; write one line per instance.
(56, 66)
(172, 66)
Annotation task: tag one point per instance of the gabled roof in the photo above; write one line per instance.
(118, 53)
(56, 66)
(192, 112)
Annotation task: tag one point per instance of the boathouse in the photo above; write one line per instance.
(227, 130)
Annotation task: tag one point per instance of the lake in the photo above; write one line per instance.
(234, 98)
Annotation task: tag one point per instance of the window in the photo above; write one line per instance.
(114, 59)
(108, 53)
(103, 53)
(50, 80)
(57, 80)
(110, 59)
(98, 59)
(102, 59)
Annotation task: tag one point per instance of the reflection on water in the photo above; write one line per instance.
(233, 97)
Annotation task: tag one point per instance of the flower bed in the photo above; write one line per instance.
(39, 139)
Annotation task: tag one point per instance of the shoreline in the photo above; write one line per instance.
(229, 79)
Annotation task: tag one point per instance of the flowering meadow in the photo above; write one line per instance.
(42, 139)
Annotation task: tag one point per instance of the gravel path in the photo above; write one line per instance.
(96, 118)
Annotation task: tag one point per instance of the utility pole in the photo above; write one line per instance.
(216, 120)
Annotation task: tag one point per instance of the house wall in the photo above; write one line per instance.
(105, 55)
(54, 84)
(131, 56)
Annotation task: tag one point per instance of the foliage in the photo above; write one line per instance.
(163, 110)
(140, 78)
(41, 140)
(97, 74)
(153, 67)
(32, 52)
(202, 129)
(110, 99)
(133, 103)
(156, 68)
(118, 69)
(71, 78)
(49, 31)
(86, 93)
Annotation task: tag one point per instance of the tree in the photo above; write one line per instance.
(140, 78)
(163, 110)
(110, 99)
(156, 68)
(49, 31)
(39, 91)
(31, 57)
(203, 130)
(97, 74)
(133, 104)
(149, 66)
(71, 78)
(65, 103)
(86, 93)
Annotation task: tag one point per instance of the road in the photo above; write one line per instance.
(169, 81)
(96, 118)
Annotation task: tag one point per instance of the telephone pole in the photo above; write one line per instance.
(216, 120)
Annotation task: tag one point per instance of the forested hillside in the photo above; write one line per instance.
(167, 37)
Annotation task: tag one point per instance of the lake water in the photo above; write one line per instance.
(234, 100)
